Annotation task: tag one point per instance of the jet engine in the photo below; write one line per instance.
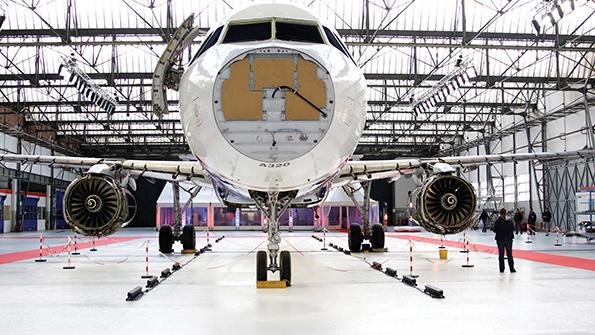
(445, 204)
(97, 205)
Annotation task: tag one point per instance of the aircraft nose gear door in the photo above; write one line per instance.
(273, 204)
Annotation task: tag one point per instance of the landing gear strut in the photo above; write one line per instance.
(186, 234)
(272, 204)
(357, 234)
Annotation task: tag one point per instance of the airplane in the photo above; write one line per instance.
(272, 107)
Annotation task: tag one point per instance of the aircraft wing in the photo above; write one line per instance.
(166, 170)
(380, 169)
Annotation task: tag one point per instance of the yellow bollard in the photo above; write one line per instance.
(443, 253)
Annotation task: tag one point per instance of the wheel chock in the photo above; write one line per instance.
(165, 273)
(390, 272)
(379, 249)
(409, 280)
(188, 251)
(134, 294)
(272, 284)
(434, 292)
(152, 282)
(376, 266)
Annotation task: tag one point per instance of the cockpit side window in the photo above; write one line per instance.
(209, 42)
(248, 32)
(297, 32)
(334, 40)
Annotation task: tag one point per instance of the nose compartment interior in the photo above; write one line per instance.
(242, 92)
(274, 104)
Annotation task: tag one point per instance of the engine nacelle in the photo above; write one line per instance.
(97, 205)
(445, 204)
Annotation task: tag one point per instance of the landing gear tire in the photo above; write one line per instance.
(377, 239)
(166, 239)
(355, 237)
(261, 266)
(188, 237)
(285, 266)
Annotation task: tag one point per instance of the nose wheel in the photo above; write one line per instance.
(284, 267)
(261, 266)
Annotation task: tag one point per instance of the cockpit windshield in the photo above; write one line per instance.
(247, 32)
(297, 32)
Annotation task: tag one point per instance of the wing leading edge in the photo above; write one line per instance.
(380, 169)
(166, 170)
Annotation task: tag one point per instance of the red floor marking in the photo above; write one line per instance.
(212, 237)
(567, 261)
(30, 254)
(34, 237)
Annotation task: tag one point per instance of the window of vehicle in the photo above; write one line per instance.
(209, 42)
(297, 32)
(248, 32)
(334, 40)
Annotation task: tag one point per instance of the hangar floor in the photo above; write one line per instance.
(332, 293)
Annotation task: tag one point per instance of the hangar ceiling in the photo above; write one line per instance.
(403, 47)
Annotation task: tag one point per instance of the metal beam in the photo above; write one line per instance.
(175, 102)
(31, 77)
(352, 33)
(514, 128)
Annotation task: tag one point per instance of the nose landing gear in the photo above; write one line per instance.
(272, 205)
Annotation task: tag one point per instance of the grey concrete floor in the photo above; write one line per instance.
(332, 293)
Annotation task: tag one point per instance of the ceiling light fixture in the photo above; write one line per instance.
(549, 13)
(88, 89)
(463, 72)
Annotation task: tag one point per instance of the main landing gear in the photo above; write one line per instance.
(167, 239)
(186, 234)
(356, 236)
(356, 233)
(272, 205)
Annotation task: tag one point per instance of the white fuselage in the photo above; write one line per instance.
(271, 165)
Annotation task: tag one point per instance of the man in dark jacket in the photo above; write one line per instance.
(518, 219)
(504, 236)
(484, 220)
(546, 216)
(531, 221)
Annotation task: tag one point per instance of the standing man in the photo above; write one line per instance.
(531, 221)
(503, 229)
(546, 216)
(484, 220)
(518, 219)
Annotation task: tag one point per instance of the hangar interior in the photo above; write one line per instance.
(444, 78)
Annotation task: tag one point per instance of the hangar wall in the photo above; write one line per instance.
(521, 185)
(36, 181)
(10, 145)
(401, 198)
